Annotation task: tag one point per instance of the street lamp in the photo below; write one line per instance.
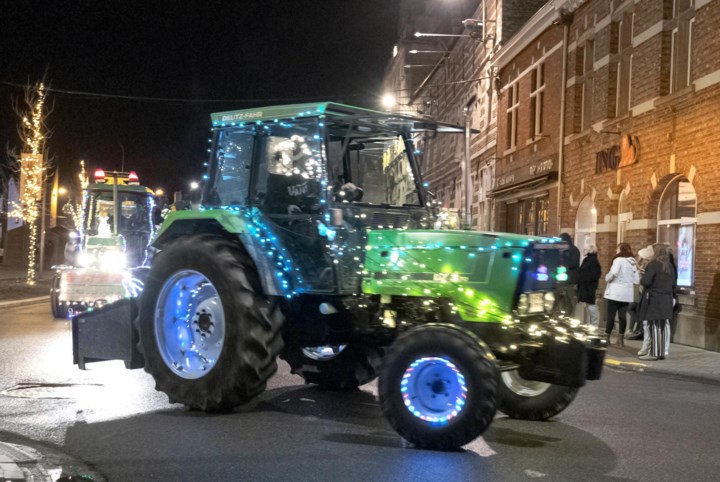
(429, 51)
(194, 185)
(389, 101)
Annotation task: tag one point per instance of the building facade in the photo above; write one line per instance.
(530, 127)
(451, 79)
(642, 142)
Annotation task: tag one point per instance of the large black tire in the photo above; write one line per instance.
(252, 339)
(409, 366)
(59, 308)
(355, 365)
(528, 400)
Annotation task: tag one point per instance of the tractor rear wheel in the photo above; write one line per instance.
(209, 337)
(59, 308)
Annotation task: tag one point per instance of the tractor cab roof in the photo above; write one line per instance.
(338, 113)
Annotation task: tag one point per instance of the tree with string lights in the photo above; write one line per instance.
(32, 165)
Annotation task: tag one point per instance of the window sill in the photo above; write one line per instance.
(670, 99)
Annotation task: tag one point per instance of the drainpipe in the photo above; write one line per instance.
(467, 180)
(561, 141)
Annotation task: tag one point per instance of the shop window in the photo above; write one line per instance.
(677, 220)
(586, 223)
(529, 216)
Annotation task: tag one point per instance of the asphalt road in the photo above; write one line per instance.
(628, 426)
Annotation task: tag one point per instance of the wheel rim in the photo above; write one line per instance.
(323, 353)
(189, 324)
(522, 387)
(434, 390)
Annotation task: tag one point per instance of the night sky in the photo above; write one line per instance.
(200, 56)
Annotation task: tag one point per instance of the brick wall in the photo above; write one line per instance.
(679, 136)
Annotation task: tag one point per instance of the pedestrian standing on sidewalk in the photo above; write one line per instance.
(638, 326)
(621, 278)
(588, 277)
(572, 263)
(659, 282)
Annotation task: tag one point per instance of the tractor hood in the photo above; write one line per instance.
(482, 274)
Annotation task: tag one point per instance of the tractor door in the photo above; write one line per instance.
(374, 186)
(289, 190)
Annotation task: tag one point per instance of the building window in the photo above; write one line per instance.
(677, 220)
(537, 101)
(623, 83)
(512, 115)
(586, 223)
(529, 216)
(681, 45)
(587, 87)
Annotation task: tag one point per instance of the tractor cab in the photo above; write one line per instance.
(316, 177)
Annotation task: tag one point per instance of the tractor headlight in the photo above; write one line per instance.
(523, 305)
(112, 260)
(549, 301)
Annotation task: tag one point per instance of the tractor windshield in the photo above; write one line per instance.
(370, 165)
(134, 211)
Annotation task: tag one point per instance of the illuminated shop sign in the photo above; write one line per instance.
(615, 157)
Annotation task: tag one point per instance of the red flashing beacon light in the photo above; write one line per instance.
(133, 178)
(99, 175)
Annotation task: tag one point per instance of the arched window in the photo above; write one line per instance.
(624, 217)
(677, 213)
(585, 223)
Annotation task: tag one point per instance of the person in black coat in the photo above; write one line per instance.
(588, 276)
(659, 283)
(572, 263)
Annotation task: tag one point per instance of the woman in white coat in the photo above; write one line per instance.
(619, 290)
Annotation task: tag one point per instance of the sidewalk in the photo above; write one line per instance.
(13, 286)
(683, 361)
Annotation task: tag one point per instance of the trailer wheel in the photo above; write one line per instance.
(437, 387)
(529, 400)
(209, 337)
(59, 308)
(334, 367)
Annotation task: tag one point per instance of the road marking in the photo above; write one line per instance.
(28, 301)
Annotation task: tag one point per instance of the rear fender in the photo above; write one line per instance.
(235, 226)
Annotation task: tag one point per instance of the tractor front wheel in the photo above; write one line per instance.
(437, 387)
(530, 400)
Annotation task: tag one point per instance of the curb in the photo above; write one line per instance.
(26, 301)
(625, 365)
(21, 463)
(657, 370)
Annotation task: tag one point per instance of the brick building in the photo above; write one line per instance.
(642, 143)
(444, 78)
(530, 127)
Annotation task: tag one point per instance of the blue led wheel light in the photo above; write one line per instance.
(434, 390)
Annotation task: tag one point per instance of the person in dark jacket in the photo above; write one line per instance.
(659, 283)
(588, 276)
(572, 263)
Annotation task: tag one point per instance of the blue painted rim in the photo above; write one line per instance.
(189, 324)
(434, 390)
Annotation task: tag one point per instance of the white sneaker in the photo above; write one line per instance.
(642, 353)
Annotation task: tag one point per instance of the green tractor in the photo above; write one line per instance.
(102, 257)
(315, 243)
